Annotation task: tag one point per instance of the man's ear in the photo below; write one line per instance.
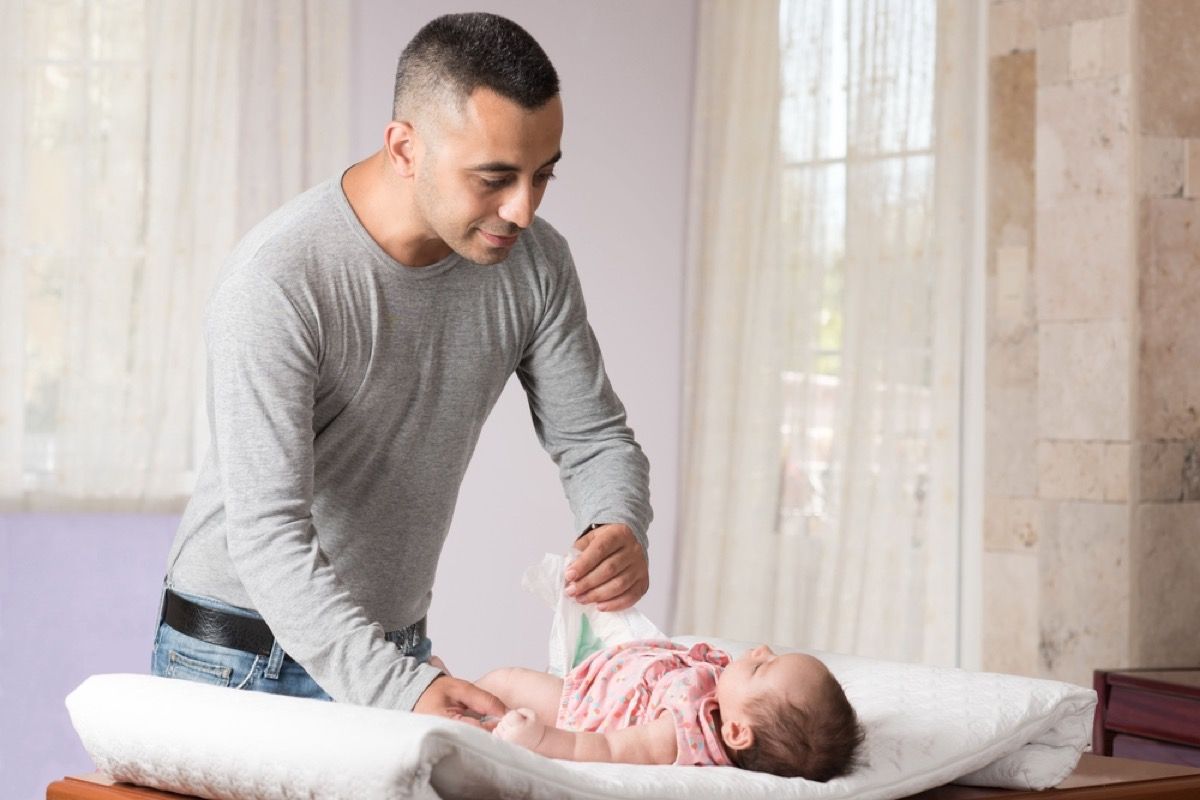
(401, 146)
(737, 735)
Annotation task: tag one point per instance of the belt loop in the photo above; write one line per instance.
(275, 662)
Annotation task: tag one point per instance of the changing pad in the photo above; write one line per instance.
(925, 726)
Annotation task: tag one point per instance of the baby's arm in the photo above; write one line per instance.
(651, 743)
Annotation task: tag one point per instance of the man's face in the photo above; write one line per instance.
(484, 170)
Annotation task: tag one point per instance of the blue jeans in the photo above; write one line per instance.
(177, 655)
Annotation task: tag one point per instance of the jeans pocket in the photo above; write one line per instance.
(191, 669)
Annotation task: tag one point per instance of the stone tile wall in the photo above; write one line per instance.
(1092, 507)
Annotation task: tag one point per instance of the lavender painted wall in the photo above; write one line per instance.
(78, 596)
(78, 592)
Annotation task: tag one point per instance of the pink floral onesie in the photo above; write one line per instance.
(636, 682)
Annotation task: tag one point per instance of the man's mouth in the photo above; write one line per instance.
(500, 241)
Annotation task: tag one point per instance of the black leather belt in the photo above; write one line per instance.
(222, 628)
(248, 634)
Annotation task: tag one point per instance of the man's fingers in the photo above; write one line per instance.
(597, 546)
(604, 572)
(483, 703)
(624, 599)
(458, 716)
(606, 586)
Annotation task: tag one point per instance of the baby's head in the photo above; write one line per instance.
(787, 715)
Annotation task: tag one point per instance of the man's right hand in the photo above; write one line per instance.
(459, 700)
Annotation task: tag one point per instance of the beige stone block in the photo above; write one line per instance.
(1166, 572)
(1083, 380)
(1116, 40)
(1084, 259)
(1192, 168)
(1084, 145)
(1010, 442)
(1084, 590)
(1070, 470)
(1161, 469)
(1011, 523)
(1114, 472)
(1012, 27)
(1012, 358)
(1054, 55)
(1012, 286)
(1162, 166)
(1010, 613)
(1168, 90)
(1012, 93)
(1063, 12)
(1169, 297)
(1087, 49)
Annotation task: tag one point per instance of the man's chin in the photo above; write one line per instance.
(487, 258)
(484, 256)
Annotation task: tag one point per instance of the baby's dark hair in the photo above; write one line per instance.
(818, 741)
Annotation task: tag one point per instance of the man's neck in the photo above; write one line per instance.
(384, 204)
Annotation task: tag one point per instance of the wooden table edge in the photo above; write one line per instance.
(1185, 785)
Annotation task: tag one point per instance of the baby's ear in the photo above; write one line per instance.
(736, 735)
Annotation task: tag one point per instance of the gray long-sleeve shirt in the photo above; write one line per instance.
(346, 393)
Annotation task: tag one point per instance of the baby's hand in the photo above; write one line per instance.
(520, 726)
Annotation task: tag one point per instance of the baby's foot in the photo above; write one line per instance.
(520, 726)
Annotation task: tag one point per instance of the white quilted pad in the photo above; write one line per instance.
(925, 727)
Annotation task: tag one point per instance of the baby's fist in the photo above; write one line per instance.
(520, 726)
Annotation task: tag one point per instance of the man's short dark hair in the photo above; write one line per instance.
(456, 54)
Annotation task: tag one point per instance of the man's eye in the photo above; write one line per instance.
(497, 184)
(543, 179)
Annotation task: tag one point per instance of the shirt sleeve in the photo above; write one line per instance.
(578, 417)
(263, 358)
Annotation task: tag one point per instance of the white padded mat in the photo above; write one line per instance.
(925, 727)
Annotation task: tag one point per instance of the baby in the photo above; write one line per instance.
(658, 702)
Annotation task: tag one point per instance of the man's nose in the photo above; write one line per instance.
(518, 207)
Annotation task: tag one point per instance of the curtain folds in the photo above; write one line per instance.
(216, 112)
(832, 158)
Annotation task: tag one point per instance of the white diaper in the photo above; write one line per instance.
(577, 631)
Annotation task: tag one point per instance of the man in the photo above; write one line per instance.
(358, 338)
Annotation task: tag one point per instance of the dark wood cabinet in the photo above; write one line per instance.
(1149, 714)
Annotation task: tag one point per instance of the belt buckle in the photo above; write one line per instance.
(407, 638)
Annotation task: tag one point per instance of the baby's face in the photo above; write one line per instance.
(760, 673)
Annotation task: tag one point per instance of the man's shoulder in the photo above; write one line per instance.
(546, 248)
(547, 236)
(294, 226)
(289, 241)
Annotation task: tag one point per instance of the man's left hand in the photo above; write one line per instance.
(611, 570)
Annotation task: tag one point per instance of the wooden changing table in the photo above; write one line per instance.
(1096, 778)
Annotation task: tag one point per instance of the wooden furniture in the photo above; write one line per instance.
(1095, 778)
(1149, 714)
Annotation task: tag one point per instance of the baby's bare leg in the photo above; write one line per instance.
(517, 687)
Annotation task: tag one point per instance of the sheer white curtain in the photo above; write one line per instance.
(146, 138)
(832, 164)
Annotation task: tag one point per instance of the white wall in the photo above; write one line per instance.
(620, 199)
